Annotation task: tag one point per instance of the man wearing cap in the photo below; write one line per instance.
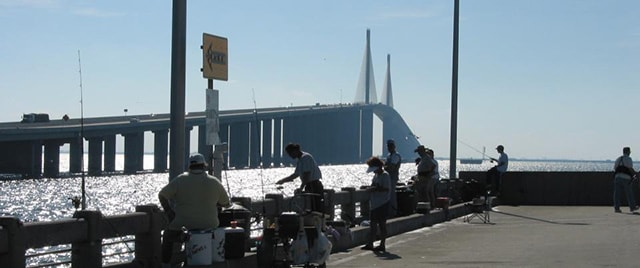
(378, 203)
(495, 178)
(308, 171)
(392, 165)
(191, 200)
(424, 183)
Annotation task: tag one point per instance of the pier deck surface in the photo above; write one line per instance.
(525, 236)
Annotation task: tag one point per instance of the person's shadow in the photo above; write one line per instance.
(385, 255)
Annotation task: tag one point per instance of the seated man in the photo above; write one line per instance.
(190, 200)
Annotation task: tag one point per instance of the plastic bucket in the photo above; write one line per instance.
(217, 245)
(198, 247)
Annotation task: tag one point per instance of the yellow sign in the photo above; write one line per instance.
(214, 57)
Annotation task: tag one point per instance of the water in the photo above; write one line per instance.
(49, 199)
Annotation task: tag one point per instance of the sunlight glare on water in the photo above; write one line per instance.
(49, 199)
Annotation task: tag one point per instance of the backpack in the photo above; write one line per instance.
(623, 169)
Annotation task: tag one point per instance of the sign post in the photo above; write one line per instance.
(214, 66)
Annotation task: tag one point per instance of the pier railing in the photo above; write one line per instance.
(87, 231)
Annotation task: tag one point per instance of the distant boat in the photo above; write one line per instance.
(471, 161)
(475, 161)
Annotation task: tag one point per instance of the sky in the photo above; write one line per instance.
(547, 79)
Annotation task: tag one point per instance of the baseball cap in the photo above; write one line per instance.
(391, 141)
(420, 148)
(196, 158)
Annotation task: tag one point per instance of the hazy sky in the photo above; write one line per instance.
(546, 78)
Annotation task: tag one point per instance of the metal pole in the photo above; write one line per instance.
(454, 94)
(178, 52)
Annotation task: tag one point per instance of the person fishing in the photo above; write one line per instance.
(191, 201)
(380, 192)
(308, 171)
(494, 175)
(392, 166)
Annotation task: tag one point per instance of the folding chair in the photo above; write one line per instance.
(480, 209)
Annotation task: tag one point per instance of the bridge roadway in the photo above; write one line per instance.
(334, 134)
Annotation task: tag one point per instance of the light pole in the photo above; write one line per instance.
(454, 94)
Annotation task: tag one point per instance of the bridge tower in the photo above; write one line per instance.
(387, 94)
(366, 90)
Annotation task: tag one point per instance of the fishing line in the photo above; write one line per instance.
(473, 148)
(113, 227)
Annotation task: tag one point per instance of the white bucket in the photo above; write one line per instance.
(198, 247)
(217, 245)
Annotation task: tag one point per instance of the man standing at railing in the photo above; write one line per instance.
(392, 166)
(424, 182)
(191, 201)
(309, 172)
(624, 173)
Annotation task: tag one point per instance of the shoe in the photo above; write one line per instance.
(379, 248)
(367, 247)
(617, 211)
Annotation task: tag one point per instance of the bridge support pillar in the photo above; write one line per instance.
(51, 159)
(277, 142)
(110, 153)
(254, 144)
(133, 152)
(266, 143)
(95, 156)
(160, 150)
(239, 145)
(203, 148)
(75, 155)
(88, 253)
(36, 159)
(366, 138)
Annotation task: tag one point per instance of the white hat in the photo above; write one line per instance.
(196, 158)
(372, 169)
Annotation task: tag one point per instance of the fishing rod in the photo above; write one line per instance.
(255, 118)
(84, 197)
(473, 148)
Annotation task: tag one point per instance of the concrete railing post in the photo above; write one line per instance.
(88, 253)
(15, 256)
(349, 208)
(148, 245)
(329, 206)
(365, 209)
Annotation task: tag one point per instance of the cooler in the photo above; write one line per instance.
(217, 245)
(406, 201)
(198, 247)
(234, 242)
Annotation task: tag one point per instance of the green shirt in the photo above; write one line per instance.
(195, 197)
